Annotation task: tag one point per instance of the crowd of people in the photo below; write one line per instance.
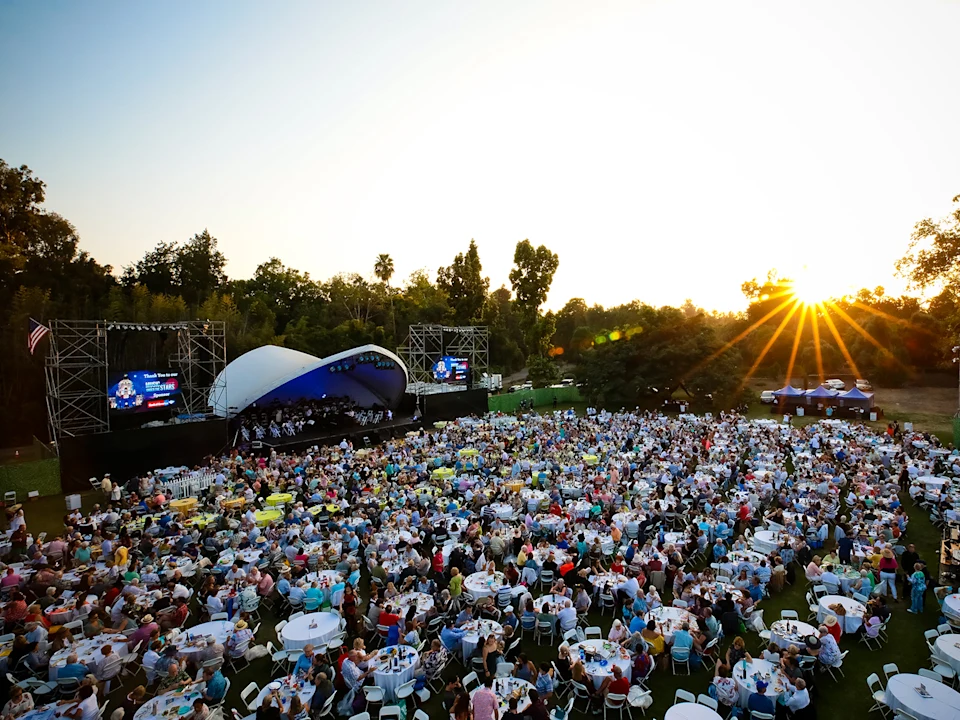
(458, 542)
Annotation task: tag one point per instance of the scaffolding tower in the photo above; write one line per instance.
(77, 370)
(426, 344)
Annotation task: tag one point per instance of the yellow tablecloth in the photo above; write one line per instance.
(279, 499)
(234, 504)
(443, 473)
(590, 459)
(203, 519)
(265, 517)
(467, 452)
(185, 505)
(514, 486)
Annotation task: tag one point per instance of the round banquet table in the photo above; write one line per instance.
(477, 632)
(185, 505)
(552, 523)
(220, 629)
(902, 695)
(691, 711)
(765, 541)
(503, 511)
(288, 688)
(279, 499)
(750, 556)
(671, 619)
(951, 606)
(608, 578)
(423, 601)
(233, 503)
(554, 600)
(776, 682)
(480, 584)
(613, 654)
(88, 652)
(513, 486)
(503, 687)
(947, 648)
(388, 679)
(265, 517)
(784, 639)
(313, 628)
(174, 701)
(850, 622)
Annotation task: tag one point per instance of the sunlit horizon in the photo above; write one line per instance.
(664, 151)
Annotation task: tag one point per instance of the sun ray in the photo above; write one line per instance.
(816, 341)
(796, 343)
(841, 344)
(892, 318)
(783, 323)
(730, 343)
(867, 336)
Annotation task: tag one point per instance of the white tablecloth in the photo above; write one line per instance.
(945, 648)
(671, 619)
(612, 653)
(477, 632)
(503, 687)
(779, 635)
(901, 695)
(765, 541)
(690, 711)
(555, 602)
(776, 682)
(154, 708)
(503, 511)
(424, 604)
(298, 633)
(850, 622)
(286, 693)
(388, 679)
(220, 629)
(480, 584)
(951, 606)
(88, 652)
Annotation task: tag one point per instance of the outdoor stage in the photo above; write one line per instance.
(332, 436)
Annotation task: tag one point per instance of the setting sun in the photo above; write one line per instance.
(811, 289)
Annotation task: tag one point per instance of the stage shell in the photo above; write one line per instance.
(271, 373)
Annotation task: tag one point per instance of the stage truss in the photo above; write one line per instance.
(77, 370)
(426, 344)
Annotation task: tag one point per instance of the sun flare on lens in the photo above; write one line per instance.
(810, 288)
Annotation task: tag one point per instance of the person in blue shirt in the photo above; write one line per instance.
(283, 585)
(73, 669)
(756, 590)
(637, 623)
(216, 686)
(305, 661)
(451, 636)
(759, 702)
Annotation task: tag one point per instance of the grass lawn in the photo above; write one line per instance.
(848, 697)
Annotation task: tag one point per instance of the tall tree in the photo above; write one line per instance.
(532, 276)
(200, 268)
(383, 268)
(465, 285)
(934, 252)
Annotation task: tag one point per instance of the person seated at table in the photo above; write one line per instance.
(724, 688)
(737, 652)
(176, 677)
(813, 570)
(84, 707)
(758, 701)
(240, 639)
(524, 668)
(134, 701)
(830, 579)
(19, 703)
(268, 710)
(615, 683)
(559, 587)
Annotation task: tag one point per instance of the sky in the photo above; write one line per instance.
(664, 150)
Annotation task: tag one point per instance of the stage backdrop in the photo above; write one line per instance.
(126, 453)
(451, 405)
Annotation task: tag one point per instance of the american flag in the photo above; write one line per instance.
(37, 331)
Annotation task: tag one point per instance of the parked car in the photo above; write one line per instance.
(767, 397)
(864, 385)
(835, 384)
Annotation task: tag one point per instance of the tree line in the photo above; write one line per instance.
(623, 354)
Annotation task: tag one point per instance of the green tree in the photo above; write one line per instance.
(200, 268)
(465, 286)
(532, 276)
(383, 268)
(934, 251)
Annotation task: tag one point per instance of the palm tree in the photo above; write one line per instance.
(383, 268)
